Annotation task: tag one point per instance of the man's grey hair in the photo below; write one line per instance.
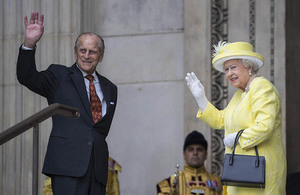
(101, 41)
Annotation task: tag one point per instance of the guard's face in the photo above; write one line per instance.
(88, 54)
(236, 73)
(195, 155)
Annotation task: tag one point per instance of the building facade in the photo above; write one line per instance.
(150, 46)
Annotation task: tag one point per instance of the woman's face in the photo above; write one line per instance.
(236, 73)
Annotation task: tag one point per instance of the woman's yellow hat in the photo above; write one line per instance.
(237, 50)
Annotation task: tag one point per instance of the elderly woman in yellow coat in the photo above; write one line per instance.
(255, 107)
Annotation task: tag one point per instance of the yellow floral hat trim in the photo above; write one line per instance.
(238, 50)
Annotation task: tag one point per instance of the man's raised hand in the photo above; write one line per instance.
(34, 29)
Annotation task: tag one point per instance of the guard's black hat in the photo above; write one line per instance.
(195, 137)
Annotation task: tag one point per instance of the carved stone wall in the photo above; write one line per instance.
(151, 45)
(219, 92)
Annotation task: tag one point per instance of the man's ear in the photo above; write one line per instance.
(101, 58)
(75, 54)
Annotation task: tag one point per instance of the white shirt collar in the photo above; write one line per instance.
(84, 73)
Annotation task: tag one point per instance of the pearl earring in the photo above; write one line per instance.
(250, 73)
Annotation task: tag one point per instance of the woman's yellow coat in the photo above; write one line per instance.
(258, 112)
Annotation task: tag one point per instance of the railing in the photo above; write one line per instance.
(34, 121)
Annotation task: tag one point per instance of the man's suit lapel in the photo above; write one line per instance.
(77, 78)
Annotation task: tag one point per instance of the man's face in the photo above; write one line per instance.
(88, 53)
(195, 155)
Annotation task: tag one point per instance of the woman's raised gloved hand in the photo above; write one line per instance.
(197, 90)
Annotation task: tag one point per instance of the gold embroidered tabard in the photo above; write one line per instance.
(191, 182)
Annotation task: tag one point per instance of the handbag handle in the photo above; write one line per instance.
(235, 143)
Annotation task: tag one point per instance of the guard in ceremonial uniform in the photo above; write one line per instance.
(193, 179)
(113, 186)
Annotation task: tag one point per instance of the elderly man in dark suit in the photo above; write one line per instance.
(77, 153)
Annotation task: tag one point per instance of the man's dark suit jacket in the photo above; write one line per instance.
(71, 140)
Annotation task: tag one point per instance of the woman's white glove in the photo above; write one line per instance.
(229, 139)
(197, 90)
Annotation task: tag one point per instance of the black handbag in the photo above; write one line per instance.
(243, 170)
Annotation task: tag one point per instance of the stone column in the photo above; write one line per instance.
(62, 25)
(197, 59)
